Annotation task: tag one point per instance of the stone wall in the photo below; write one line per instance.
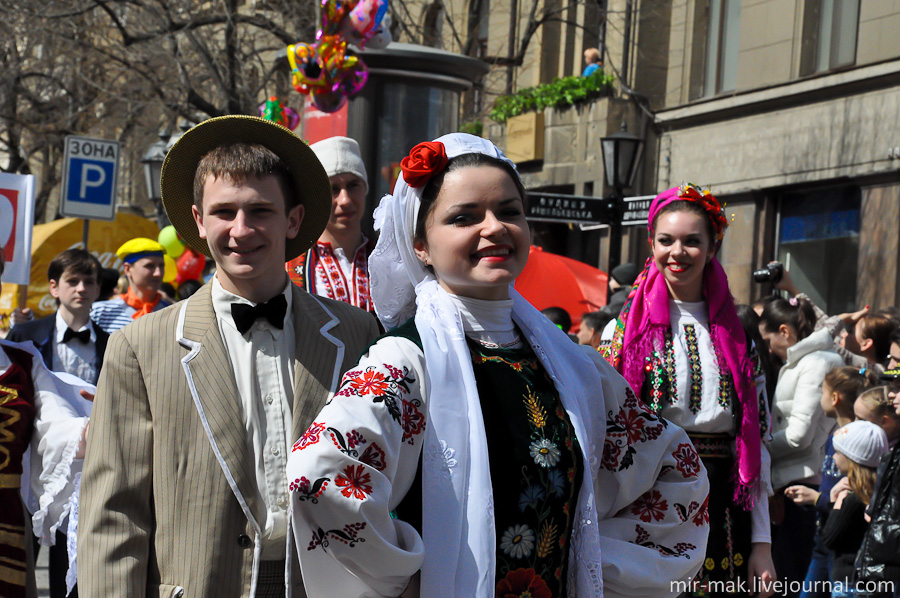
(743, 144)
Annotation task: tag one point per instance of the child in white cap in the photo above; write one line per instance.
(858, 447)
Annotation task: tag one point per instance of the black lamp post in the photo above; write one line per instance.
(153, 162)
(621, 155)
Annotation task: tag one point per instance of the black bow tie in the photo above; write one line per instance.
(83, 335)
(272, 311)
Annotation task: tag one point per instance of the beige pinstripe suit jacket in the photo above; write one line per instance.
(168, 495)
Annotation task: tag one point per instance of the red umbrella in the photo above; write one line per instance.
(551, 280)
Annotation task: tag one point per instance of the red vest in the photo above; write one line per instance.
(16, 426)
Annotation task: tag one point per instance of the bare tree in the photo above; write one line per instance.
(124, 69)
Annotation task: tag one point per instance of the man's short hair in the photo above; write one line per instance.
(77, 261)
(596, 320)
(240, 161)
(593, 54)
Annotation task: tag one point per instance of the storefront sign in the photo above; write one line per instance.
(637, 210)
(555, 207)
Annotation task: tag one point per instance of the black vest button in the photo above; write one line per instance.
(244, 541)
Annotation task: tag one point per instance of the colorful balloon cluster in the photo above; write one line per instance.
(275, 111)
(182, 263)
(324, 70)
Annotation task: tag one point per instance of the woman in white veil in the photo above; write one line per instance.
(475, 450)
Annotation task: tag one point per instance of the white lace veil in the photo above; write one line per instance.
(458, 510)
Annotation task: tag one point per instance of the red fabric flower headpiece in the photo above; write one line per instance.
(691, 192)
(423, 162)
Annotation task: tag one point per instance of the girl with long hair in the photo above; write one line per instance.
(680, 344)
(858, 447)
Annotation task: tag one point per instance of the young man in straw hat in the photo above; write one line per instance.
(337, 266)
(184, 489)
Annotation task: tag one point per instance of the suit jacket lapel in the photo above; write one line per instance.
(46, 342)
(100, 345)
(317, 359)
(215, 393)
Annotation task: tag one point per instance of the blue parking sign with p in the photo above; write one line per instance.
(94, 181)
(89, 178)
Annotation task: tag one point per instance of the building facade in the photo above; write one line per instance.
(787, 109)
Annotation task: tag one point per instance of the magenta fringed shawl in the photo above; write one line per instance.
(641, 331)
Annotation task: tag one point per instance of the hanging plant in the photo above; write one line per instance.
(560, 93)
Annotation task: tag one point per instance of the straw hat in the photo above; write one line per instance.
(309, 178)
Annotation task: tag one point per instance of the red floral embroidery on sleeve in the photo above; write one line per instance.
(702, 516)
(633, 424)
(390, 390)
(686, 460)
(373, 456)
(642, 538)
(310, 437)
(354, 482)
(650, 506)
(349, 535)
(412, 420)
(308, 490)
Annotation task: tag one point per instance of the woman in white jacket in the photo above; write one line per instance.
(799, 426)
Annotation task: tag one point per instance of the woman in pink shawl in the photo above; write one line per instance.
(680, 345)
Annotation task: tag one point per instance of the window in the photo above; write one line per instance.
(818, 242)
(829, 35)
(722, 46)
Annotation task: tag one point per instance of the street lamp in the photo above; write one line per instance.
(621, 155)
(153, 162)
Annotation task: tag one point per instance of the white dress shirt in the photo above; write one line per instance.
(263, 363)
(75, 357)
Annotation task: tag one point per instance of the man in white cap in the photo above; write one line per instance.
(337, 265)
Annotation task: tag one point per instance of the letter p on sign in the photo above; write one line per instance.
(89, 178)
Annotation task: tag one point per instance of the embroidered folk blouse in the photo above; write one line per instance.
(702, 397)
(359, 459)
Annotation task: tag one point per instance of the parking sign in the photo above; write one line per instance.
(90, 170)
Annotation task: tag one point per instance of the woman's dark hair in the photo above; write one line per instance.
(895, 336)
(109, 279)
(878, 328)
(433, 186)
(767, 361)
(683, 205)
(889, 312)
(796, 313)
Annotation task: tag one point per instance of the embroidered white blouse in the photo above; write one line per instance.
(702, 409)
(358, 460)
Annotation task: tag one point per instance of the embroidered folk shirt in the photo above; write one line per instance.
(263, 363)
(359, 460)
(702, 401)
(329, 272)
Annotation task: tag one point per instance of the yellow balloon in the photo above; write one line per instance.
(171, 270)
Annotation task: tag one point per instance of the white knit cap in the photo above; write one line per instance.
(862, 442)
(339, 155)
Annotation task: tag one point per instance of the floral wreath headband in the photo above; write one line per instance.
(697, 194)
